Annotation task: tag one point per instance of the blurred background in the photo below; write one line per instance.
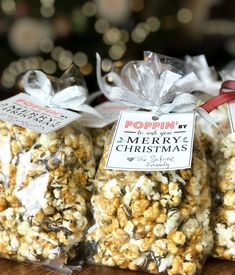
(51, 35)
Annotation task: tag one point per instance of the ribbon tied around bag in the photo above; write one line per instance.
(150, 85)
(38, 85)
(208, 82)
(226, 94)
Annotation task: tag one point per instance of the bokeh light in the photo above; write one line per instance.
(184, 15)
(47, 3)
(65, 59)
(56, 52)
(116, 51)
(101, 25)
(80, 59)
(86, 69)
(153, 23)
(125, 36)
(106, 64)
(113, 35)
(137, 5)
(49, 66)
(46, 45)
(8, 7)
(89, 9)
(139, 34)
(47, 11)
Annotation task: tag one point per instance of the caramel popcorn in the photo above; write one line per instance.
(99, 137)
(220, 152)
(44, 182)
(151, 221)
(210, 137)
(224, 220)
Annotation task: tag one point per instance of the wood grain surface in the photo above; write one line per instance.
(212, 267)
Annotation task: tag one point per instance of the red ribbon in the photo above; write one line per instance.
(223, 97)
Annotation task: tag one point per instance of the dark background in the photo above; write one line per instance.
(50, 35)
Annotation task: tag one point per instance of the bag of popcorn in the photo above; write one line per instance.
(224, 210)
(99, 137)
(46, 171)
(151, 204)
(207, 87)
(99, 131)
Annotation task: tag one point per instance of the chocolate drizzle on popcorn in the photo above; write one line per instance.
(152, 221)
(44, 182)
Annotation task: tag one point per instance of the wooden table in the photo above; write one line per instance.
(212, 267)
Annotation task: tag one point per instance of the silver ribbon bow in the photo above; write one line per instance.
(208, 84)
(37, 84)
(228, 72)
(144, 85)
(207, 76)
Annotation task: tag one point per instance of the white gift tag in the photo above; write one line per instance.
(29, 112)
(141, 143)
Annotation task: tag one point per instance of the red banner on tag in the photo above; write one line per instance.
(227, 93)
